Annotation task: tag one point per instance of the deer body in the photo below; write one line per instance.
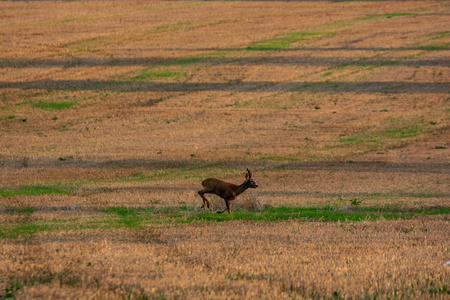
(225, 190)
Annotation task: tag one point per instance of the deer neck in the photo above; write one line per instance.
(241, 188)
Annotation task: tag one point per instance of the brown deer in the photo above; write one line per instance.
(225, 190)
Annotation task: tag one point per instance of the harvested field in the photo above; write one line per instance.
(113, 112)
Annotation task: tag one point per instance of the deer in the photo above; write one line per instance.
(225, 190)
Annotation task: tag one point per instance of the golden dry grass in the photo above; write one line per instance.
(236, 260)
(109, 105)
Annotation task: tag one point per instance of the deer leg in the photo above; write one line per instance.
(228, 203)
(222, 211)
(205, 201)
(229, 206)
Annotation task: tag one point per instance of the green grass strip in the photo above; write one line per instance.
(52, 106)
(148, 74)
(21, 210)
(31, 190)
(283, 42)
(316, 214)
(395, 130)
(135, 218)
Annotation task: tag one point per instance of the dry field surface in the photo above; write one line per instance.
(112, 113)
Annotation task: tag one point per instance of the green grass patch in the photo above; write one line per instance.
(17, 230)
(368, 61)
(274, 44)
(283, 42)
(28, 228)
(88, 45)
(52, 106)
(32, 190)
(20, 210)
(148, 74)
(244, 104)
(12, 117)
(440, 35)
(396, 130)
(185, 61)
(403, 132)
(437, 211)
(435, 47)
(302, 213)
(121, 211)
(381, 137)
(68, 20)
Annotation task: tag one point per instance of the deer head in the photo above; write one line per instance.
(249, 183)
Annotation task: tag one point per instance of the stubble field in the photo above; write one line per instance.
(113, 112)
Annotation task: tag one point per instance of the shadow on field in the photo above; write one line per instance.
(254, 60)
(239, 86)
(173, 165)
(234, 0)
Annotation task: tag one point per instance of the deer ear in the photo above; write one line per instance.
(246, 176)
(249, 174)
